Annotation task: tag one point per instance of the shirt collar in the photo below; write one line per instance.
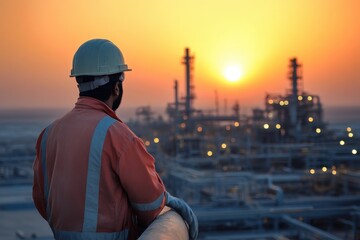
(93, 103)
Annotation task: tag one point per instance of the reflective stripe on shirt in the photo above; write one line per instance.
(149, 206)
(93, 174)
(67, 235)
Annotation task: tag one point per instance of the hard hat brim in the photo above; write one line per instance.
(101, 72)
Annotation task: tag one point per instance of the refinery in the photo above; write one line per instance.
(277, 173)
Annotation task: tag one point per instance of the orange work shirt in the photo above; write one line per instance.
(93, 177)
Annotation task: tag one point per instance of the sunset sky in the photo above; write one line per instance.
(39, 38)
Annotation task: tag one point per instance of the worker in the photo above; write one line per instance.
(93, 178)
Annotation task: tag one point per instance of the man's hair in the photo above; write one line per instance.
(103, 92)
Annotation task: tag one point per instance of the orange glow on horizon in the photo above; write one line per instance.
(39, 39)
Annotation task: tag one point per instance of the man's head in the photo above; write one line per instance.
(99, 67)
(110, 93)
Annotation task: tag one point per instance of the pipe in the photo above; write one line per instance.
(168, 226)
(311, 229)
(278, 190)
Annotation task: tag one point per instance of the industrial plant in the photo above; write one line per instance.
(279, 173)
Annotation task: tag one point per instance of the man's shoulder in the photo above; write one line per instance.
(121, 130)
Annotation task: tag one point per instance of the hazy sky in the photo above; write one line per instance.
(39, 38)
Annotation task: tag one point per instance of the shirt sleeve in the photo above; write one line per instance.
(143, 185)
(38, 183)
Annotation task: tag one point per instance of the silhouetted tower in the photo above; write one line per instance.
(216, 103)
(294, 76)
(236, 109)
(176, 89)
(189, 87)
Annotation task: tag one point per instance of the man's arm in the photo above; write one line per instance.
(140, 180)
(38, 184)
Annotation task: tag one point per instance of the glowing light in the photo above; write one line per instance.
(350, 134)
(348, 129)
(271, 101)
(223, 145)
(333, 172)
(342, 142)
(310, 119)
(156, 140)
(233, 73)
(324, 169)
(236, 124)
(266, 126)
(183, 125)
(312, 171)
(281, 103)
(147, 143)
(209, 153)
(354, 151)
(199, 129)
(300, 98)
(286, 102)
(278, 126)
(318, 130)
(309, 98)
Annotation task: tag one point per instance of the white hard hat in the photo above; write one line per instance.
(98, 57)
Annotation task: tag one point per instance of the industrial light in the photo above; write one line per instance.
(354, 151)
(236, 124)
(348, 129)
(318, 130)
(350, 134)
(310, 119)
(266, 126)
(156, 140)
(223, 145)
(209, 153)
(324, 169)
(199, 129)
(271, 101)
(333, 172)
(309, 98)
(278, 126)
(286, 102)
(312, 171)
(147, 143)
(300, 98)
(342, 142)
(282, 103)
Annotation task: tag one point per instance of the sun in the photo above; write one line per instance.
(233, 73)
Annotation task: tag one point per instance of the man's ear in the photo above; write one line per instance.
(117, 89)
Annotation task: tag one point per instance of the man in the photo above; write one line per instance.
(93, 178)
